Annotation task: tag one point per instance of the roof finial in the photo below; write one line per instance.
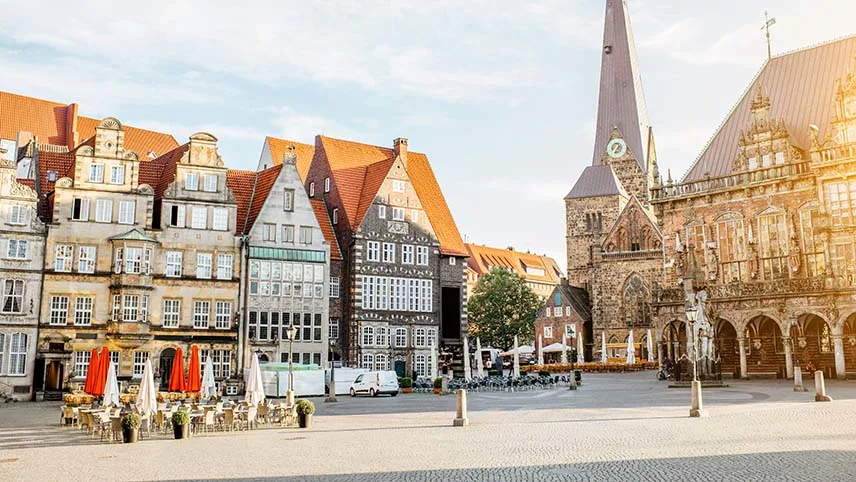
(768, 22)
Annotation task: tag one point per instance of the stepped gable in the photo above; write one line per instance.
(801, 88)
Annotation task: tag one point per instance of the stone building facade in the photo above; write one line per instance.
(614, 242)
(141, 257)
(403, 283)
(21, 260)
(288, 282)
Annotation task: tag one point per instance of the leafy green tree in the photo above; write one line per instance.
(502, 306)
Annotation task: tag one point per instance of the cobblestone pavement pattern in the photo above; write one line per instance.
(756, 431)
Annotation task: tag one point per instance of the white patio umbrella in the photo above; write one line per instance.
(111, 388)
(581, 358)
(631, 350)
(467, 374)
(208, 384)
(255, 390)
(479, 361)
(603, 358)
(650, 347)
(147, 397)
(540, 350)
(564, 348)
(516, 358)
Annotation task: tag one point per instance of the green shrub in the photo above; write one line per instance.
(493, 373)
(305, 407)
(180, 418)
(406, 382)
(131, 421)
(438, 382)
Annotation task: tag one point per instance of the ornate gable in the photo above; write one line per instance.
(766, 142)
(635, 230)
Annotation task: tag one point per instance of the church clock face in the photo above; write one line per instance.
(616, 148)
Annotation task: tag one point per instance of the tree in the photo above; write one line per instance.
(502, 306)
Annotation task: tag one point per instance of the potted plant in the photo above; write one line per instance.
(181, 424)
(305, 410)
(406, 385)
(438, 385)
(131, 427)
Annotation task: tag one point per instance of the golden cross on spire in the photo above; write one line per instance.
(768, 22)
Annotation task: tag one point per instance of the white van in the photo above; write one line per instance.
(375, 383)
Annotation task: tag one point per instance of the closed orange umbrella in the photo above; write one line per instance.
(91, 372)
(101, 379)
(194, 368)
(176, 377)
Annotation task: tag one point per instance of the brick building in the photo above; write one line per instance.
(541, 273)
(567, 311)
(403, 285)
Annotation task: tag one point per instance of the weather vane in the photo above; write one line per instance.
(768, 22)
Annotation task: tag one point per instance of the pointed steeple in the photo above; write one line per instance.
(621, 103)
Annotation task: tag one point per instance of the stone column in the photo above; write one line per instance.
(660, 355)
(840, 369)
(789, 357)
(741, 347)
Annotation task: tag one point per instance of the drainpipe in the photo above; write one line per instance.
(39, 312)
(243, 292)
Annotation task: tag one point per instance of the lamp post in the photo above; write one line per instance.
(697, 407)
(291, 332)
(572, 385)
(331, 397)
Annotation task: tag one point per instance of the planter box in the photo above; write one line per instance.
(304, 421)
(130, 435)
(181, 431)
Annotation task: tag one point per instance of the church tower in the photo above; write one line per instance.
(613, 241)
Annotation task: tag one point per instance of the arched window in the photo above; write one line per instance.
(380, 337)
(635, 302)
(368, 361)
(368, 336)
(18, 354)
(732, 254)
(420, 365)
(381, 362)
(812, 245)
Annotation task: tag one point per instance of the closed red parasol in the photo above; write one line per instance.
(176, 377)
(91, 372)
(194, 368)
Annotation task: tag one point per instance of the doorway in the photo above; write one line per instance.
(400, 368)
(166, 358)
(450, 314)
(53, 376)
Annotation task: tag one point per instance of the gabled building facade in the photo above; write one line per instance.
(567, 313)
(403, 284)
(140, 257)
(540, 272)
(288, 281)
(22, 236)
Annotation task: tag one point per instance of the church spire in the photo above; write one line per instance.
(622, 102)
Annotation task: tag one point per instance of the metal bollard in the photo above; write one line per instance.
(820, 388)
(461, 419)
(798, 381)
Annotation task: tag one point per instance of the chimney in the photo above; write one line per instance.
(289, 156)
(399, 145)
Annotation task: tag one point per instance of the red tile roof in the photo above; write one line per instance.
(305, 153)
(359, 169)
(59, 124)
(320, 208)
(483, 258)
(60, 162)
(801, 88)
(263, 184)
(241, 184)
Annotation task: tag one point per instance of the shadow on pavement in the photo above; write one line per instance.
(791, 466)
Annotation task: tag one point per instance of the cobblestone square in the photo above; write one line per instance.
(616, 427)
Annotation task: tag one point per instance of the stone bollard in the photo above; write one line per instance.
(461, 419)
(798, 381)
(820, 388)
(697, 407)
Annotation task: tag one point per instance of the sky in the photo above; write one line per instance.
(501, 95)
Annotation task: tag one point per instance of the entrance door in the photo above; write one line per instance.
(53, 376)
(399, 368)
(166, 367)
(450, 313)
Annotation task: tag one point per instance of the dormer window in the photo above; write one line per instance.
(191, 181)
(765, 160)
(381, 211)
(117, 175)
(398, 214)
(210, 184)
(96, 173)
(780, 158)
(398, 186)
(753, 163)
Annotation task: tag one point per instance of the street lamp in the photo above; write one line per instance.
(331, 397)
(290, 333)
(697, 407)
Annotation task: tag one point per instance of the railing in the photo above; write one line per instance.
(754, 289)
(730, 181)
(644, 253)
(834, 153)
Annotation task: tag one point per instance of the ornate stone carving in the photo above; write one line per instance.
(110, 123)
(64, 182)
(131, 156)
(85, 151)
(146, 189)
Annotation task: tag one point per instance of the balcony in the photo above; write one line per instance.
(731, 181)
(755, 289)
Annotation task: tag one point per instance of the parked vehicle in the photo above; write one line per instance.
(375, 383)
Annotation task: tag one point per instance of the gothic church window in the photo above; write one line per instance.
(732, 255)
(635, 302)
(774, 245)
(812, 245)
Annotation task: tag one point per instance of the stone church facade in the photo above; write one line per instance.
(762, 222)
